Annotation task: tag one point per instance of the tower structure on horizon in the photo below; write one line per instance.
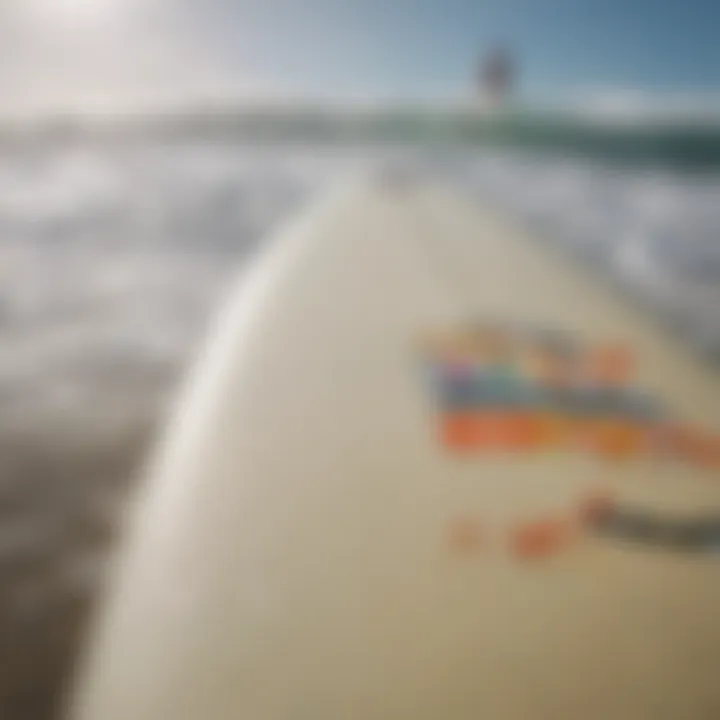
(496, 76)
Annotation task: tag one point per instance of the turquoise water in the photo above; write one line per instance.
(688, 146)
(683, 144)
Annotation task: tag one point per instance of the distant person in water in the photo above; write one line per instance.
(497, 75)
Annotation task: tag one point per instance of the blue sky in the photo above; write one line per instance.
(68, 53)
(426, 47)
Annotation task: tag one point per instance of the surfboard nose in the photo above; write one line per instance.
(371, 503)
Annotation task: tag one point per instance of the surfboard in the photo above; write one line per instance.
(425, 467)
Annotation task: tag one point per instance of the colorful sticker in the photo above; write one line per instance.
(598, 516)
(541, 539)
(521, 389)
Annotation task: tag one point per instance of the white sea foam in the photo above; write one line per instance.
(112, 257)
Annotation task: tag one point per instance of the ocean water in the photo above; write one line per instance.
(114, 252)
(650, 230)
(111, 258)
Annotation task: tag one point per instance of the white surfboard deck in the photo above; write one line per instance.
(290, 556)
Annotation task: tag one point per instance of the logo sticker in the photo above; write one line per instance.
(522, 390)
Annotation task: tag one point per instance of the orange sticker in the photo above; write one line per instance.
(521, 431)
(472, 430)
(541, 539)
(618, 439)
(458, 431)
(554, 429)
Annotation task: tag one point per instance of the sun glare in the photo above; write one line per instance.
(102, 10)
